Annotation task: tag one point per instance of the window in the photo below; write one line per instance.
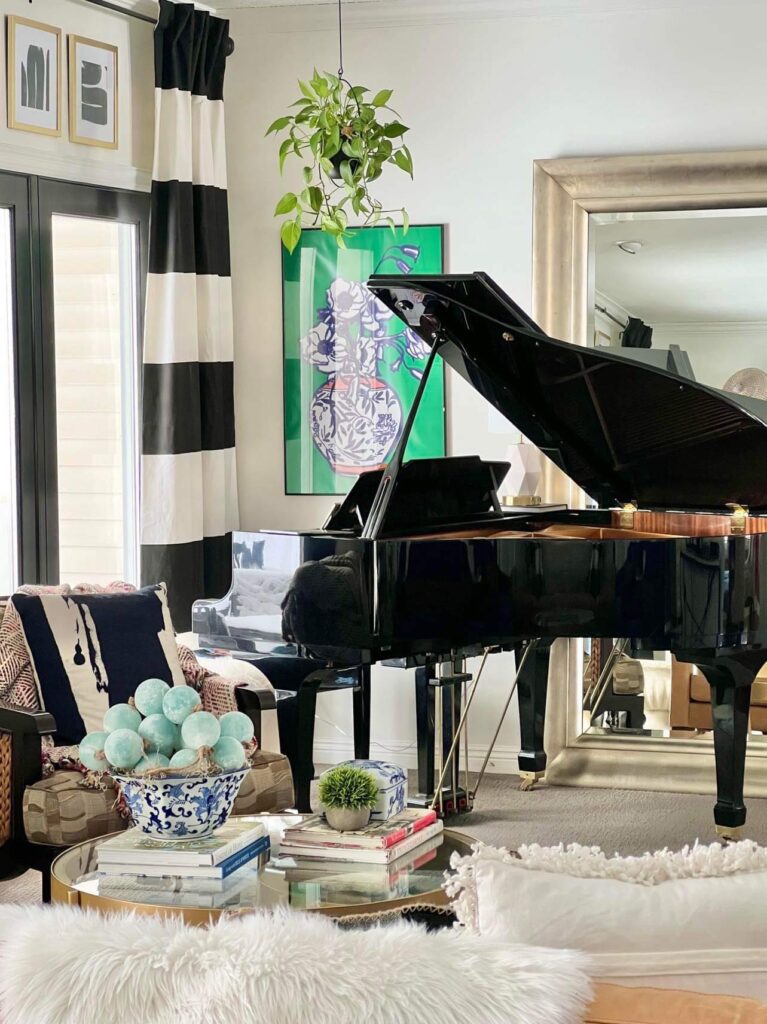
(72, 272)
(8, 499)
(95, 321)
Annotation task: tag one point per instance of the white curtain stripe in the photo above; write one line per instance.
(190, 143)
(188, 497)
(188, 319)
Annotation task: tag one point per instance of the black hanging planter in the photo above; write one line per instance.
(337, 160)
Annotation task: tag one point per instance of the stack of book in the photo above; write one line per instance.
(135, 867)
(380, 842)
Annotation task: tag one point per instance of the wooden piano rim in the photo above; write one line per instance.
(648, 525)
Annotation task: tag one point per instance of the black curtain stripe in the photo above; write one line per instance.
(200, 567)
(188, 407)
(190, 50)
(190, 232)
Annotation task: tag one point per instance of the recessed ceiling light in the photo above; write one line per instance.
(632, 248)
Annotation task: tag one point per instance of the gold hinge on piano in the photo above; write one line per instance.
(627, 513)
(739, 517)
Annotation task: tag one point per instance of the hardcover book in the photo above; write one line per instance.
(134, 847)
(378, 855)
(160, 869)
(378, 835)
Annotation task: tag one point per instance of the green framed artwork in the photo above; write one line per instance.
(351, 368)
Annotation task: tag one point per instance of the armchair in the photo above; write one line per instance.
(691, 699)
(48, 801)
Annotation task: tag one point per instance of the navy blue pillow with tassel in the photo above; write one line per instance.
(90, 651)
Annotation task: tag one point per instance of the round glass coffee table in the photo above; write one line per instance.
(337, 889)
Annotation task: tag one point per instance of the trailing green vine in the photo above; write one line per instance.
(344, 143)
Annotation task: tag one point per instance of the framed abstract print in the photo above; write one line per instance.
(34, 76)
(351, 368)
(92, 93)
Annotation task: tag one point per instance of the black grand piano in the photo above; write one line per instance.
(421, 563)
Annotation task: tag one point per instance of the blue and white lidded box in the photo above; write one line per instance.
(392, 787)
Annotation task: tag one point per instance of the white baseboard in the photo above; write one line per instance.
(503, 761)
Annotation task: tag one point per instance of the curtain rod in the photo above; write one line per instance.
(139, 16)
(601, 309)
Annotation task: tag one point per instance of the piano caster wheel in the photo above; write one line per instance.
(529, 779)
(728, 834)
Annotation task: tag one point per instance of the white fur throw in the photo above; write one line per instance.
(61, 965)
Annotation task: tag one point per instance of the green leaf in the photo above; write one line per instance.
(285, 148)
(332, 143)
(307, 175)
(303, 102)
(357, 92)
(290, 233)
(390, 221)
(315, 197)
(403, 160)
(382, 98)
(405, 221)
(286, 204)
(330, 226)
(326, 165)
(278, 125)
(306, 90)
(315, 141)
(346, 173)
(394, 129)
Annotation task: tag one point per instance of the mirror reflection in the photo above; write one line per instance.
(682, 291)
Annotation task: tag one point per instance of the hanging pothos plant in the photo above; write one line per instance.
(344, 141)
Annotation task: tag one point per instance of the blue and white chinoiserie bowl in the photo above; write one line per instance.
(184, 807)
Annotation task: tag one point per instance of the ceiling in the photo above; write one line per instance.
(698, 267)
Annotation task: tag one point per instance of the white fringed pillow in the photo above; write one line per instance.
(686, 917)
(61, 965)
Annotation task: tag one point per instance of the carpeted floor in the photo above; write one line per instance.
(622, 821)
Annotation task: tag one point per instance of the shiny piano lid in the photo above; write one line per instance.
(623, 431)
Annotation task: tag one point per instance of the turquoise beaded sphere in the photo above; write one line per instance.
(229, 753)
(91, 752)
(237, 725)
(124, 748)
(183, 758)
(159, 735)
(179, 703)
(121, 716)
(200, 730)
(151, 761)
(149, 696)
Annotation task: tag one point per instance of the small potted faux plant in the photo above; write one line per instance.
(348, 794)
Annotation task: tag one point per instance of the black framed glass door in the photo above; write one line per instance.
(72, 285)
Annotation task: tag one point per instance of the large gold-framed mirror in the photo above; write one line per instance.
(662, 258)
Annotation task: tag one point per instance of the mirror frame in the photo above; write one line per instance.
(566, 191)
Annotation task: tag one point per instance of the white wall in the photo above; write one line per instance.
(484, 96)
(130, 165)
(716, 350)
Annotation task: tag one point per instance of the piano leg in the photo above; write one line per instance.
(424, 714)
(532, 686)
(730, 678)
(361, 699)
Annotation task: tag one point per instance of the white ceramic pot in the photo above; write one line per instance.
(347, 819)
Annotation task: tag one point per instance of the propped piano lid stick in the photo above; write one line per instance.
(459, 730)
(533, 644)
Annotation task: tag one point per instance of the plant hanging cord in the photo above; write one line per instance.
(340, 44)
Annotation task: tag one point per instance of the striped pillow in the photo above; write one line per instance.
(89, 651)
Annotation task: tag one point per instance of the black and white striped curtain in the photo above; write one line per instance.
(189, 483)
